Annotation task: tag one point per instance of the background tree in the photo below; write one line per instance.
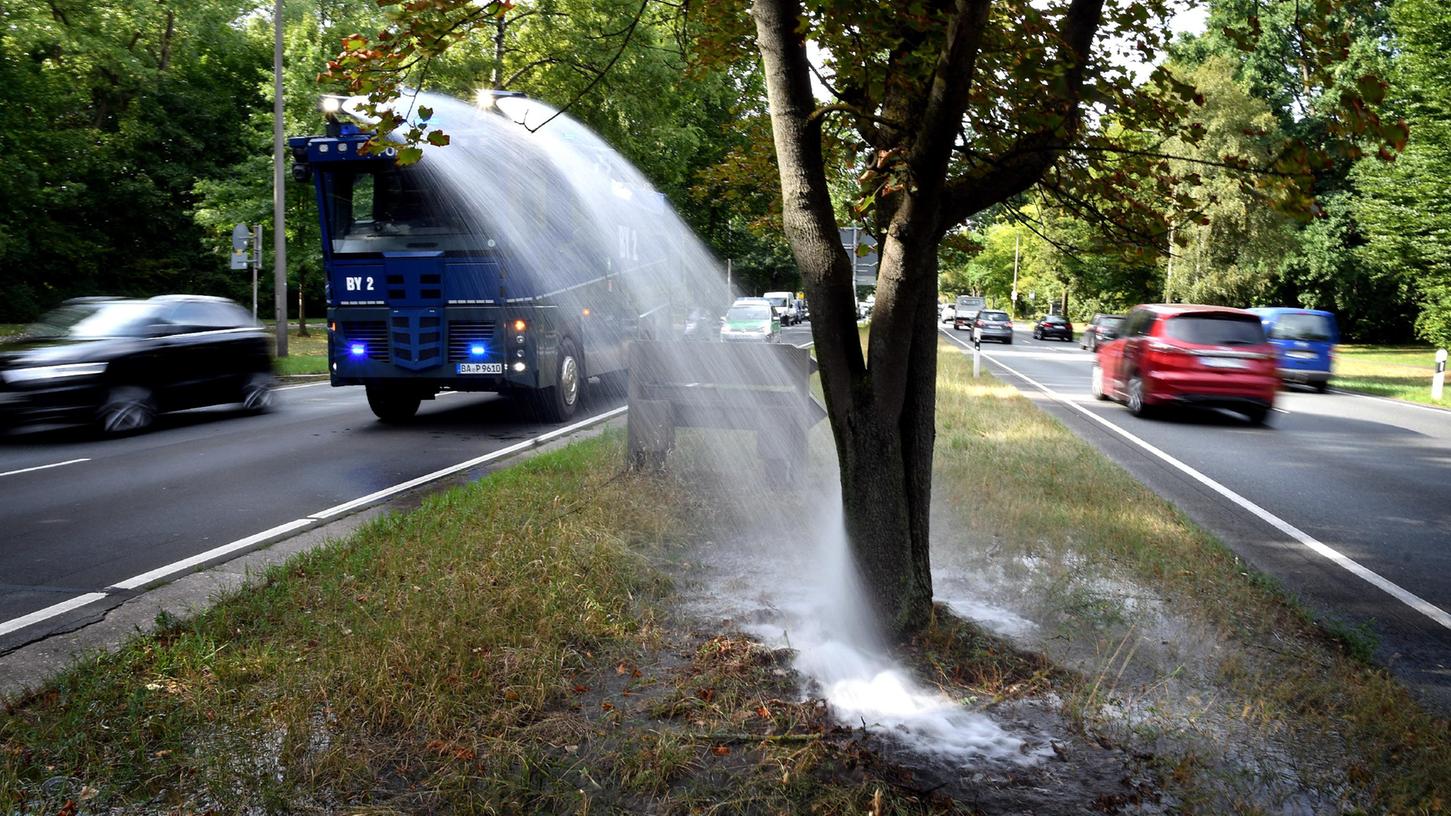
(1404, 210)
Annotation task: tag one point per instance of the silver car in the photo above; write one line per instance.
(994, 325)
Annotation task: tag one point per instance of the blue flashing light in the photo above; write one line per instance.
(477, 349)
(358, 349)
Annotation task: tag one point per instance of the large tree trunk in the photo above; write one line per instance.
(882, 419)
(884, 446)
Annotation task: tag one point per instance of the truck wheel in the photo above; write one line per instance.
(392, 405)
(559, 402)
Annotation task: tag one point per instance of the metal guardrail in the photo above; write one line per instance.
(763, 388)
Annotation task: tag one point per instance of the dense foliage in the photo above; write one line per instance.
(138, 132)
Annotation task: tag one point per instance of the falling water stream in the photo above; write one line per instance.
(557, 197)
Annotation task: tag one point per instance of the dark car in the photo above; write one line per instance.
(118, 362)
(994, 325)
(1053, 326)
(1178, 354)
(1103, 328)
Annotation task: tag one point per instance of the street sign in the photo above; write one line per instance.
(861, 248)
(241, 242)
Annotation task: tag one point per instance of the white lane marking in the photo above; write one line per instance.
(145, 578)
(1403, 403)
(304, 385)
(187, 563)
(1401, 594)
(43, 467)
(16, 624)
(451, 469)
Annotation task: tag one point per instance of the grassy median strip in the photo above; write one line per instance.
(1182, 644)
(1399, 372)
(395, 668)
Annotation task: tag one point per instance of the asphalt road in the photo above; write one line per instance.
(1345, 499)
(84, 520)
(94, 513)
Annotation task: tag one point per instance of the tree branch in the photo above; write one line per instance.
(1032, 154)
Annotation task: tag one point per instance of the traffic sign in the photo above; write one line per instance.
(241, 240)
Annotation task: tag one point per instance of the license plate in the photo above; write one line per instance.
(481, 368)
(1224, 362)
(1303, 355)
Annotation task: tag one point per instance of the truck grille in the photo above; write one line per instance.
(372, 333)
(462, 335)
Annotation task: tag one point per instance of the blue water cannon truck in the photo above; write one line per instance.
(422, 298)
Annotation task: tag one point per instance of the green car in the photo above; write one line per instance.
(751, 321)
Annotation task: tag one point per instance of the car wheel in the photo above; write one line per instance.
(257, 394)
(1095, 384)
(1136, 403)
(1008, 342)
(127, 409)
(1322, 386)
(392, 405)
(1257, 416)
(559, 402)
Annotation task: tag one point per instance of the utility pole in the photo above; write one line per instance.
(279, 235)
(1017, 239)
(1169, 273)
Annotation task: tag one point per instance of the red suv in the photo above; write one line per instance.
(1179, 354)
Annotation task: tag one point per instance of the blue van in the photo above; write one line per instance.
(1304, 338)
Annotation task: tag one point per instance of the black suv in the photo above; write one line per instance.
(118, 362)
(1053, 326)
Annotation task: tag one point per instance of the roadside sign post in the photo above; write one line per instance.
(1438, 382)
(247, 251)
(976, 352)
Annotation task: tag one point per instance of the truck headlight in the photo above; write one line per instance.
(54, 372)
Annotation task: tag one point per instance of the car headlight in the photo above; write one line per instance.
(54, 372)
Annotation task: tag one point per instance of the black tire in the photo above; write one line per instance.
(1008, 342)
(257, 394)
(1257, 416)
(1095, 383)
(559, 402)
(393, 405)
(1321, 386)
(128, 409)
(1135, 398)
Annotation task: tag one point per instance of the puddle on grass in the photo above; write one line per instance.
(1155, 676)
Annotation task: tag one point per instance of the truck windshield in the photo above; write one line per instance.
(392, 209)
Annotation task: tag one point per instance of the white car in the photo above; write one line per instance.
(947, 313)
